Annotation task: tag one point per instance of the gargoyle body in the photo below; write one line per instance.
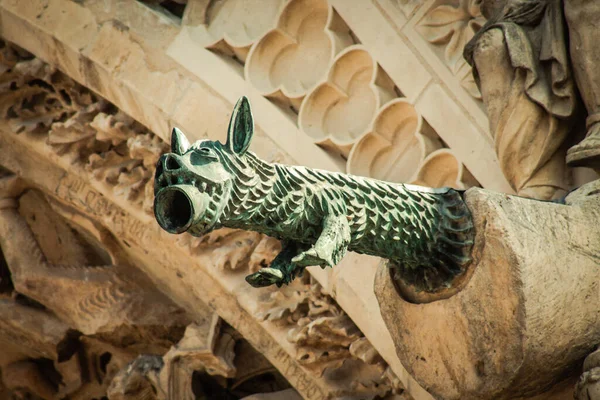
(425, 233)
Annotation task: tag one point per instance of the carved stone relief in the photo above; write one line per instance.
(426, 76)
(308, 32)
(204, 348)
(326, 339)
(391, 140)
(355, 86)
(102, 297)
(449, 25)
(218, 24)
(106, 323)
(111, 145)
(401, 147)
(68, 329)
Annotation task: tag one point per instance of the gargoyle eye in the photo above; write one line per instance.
(202, 154)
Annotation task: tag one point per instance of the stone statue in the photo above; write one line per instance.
(426, 233)
(521, 65)
(584, 43)
(528, 66)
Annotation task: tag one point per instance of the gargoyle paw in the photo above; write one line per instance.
(312, 257)
(265, 277)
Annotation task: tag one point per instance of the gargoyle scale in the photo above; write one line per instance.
(427, 234)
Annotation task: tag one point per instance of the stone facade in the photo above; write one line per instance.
(98, 302)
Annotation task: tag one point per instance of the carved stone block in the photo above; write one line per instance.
(527, 315)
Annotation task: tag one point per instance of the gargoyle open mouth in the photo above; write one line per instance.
(178, 207)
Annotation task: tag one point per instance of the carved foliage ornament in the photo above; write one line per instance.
(451, 26)
(425, 233)
(89, 130)
(103, 144)
(325, 337)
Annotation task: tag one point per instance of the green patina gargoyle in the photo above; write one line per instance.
(425, 233)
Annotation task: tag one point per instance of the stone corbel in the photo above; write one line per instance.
(527, 314)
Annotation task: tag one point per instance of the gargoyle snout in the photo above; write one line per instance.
(168, 162)
(171, 162)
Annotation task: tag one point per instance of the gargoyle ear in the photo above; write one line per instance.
(179, 143)
(241, 127)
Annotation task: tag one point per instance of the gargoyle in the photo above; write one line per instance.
(425, 233)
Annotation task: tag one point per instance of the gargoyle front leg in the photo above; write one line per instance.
(282, 269)
(331, 246)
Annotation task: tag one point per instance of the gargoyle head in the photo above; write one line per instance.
(193, 184)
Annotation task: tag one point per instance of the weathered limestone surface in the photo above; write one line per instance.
(520, 61)
(101, 297)
(529, 312)
(188, 287)
(118, 49)
(583, 44)
(382, 83)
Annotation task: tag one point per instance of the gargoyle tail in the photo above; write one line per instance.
(447, 252)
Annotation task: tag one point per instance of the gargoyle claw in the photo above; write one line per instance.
(311, 258)
(265, 277)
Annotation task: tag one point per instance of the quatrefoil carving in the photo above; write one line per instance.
(442, 168)
(400, 147)
(394, 147)
(339, 111)
(232, 26)
(291, 59)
